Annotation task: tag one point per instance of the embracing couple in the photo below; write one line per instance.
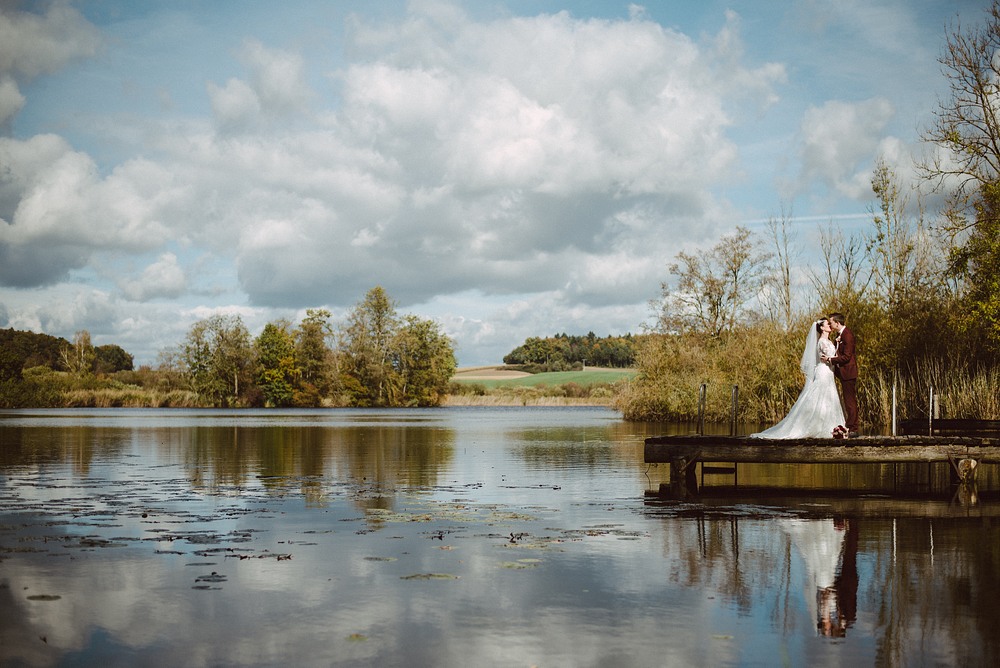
(817, 412)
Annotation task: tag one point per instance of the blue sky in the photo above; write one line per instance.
(508, 168)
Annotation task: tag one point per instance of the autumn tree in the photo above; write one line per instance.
(277, 368)
(967, 130)
(367, 345)
(393, 360)
(424, 360)
(219, 357)
(79, 357)
(316, 358)
(714, 286)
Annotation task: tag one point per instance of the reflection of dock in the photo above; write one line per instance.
(810, 502)
(683, 452)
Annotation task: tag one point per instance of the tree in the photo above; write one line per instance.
(219, 358)
(780, 302)
(967, 129)
(277, 370)
(391, 360)
(842, 280)
(714, 286)
(425, 362)
(315, 358)
(368, 336)
(111, 358)
(892, 245)
(79, 358)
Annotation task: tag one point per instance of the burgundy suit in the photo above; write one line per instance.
(845, 367)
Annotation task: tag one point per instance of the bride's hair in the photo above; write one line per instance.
(819, 325)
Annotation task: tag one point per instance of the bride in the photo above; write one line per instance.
(817, 410)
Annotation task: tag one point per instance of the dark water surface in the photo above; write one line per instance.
(466, 537)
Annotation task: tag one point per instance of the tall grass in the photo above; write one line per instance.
(130, 397)
(960, 391)
(764, 365)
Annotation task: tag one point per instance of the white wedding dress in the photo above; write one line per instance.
(817, 410)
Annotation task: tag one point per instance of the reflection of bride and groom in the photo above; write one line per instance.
(829, 550)
(817, 412)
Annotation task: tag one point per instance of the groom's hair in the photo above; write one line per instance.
(838, 318)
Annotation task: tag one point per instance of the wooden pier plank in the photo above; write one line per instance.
(877, 449)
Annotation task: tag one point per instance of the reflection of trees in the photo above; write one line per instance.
(936, 590)
(75, 445)
(584, 447)
(927, 588)
(314, 457)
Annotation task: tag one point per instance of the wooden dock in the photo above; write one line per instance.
(964, 453)
(867, 449)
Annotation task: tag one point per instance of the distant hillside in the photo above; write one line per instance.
(563, 352)
(585, 378)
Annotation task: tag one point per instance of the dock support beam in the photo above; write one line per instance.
(683, 481)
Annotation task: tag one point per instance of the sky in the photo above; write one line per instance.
(507, 168)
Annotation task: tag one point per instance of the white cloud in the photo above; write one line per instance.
(839, 140)
(235, 104)
(32, 44)
(58, 210)
(162, 279)
(557, 160)
(11, 99)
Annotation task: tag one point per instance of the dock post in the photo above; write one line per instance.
(894, 380)
(733, 410)
(701, 408)
(930, 412)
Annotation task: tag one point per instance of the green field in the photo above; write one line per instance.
(581, 378)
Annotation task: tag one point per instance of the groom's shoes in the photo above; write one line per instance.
(852, 434)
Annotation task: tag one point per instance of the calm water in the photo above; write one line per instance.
(458, 537)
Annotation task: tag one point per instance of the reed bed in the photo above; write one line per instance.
(130, 397)
(512, 400)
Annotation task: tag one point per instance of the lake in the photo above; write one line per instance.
(470, 536)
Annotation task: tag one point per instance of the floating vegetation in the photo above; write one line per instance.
(44, 597)
(429, 576)
(520, 564)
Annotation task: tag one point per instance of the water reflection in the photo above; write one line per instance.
(535, 537)
(829, 552)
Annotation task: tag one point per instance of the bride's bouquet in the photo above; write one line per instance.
(840, 431)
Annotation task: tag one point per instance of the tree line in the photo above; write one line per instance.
(921, 292)
(564, 352)
(375, 357)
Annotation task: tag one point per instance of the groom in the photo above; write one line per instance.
(845, 367)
